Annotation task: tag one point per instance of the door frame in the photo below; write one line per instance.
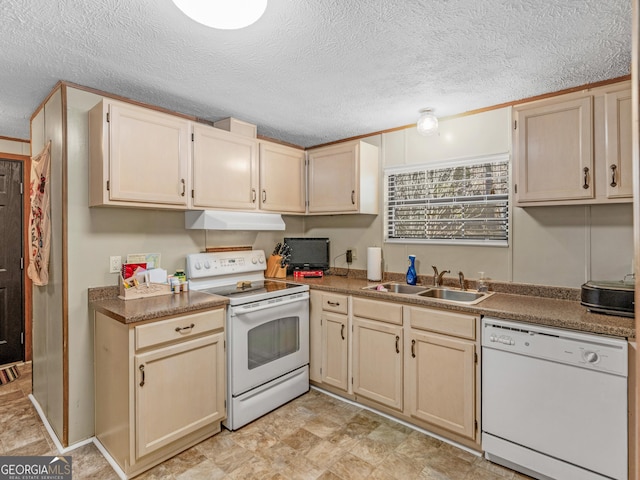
(27, 285)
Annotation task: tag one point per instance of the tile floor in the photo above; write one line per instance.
(313, 437)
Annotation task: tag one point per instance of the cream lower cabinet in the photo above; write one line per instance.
(414, 363)
(315, 336)
(335, 350)
(441, 369)
(160, 386)
(330, 339)
(138, 157)
(378, 352)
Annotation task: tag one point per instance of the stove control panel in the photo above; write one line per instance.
(215, 264)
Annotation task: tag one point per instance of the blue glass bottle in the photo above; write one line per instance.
(412, 276)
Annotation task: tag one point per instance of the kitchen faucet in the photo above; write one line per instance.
(437, 278)
(461, 278)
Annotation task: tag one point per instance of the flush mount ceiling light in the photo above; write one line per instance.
(427, 122)
(223, 14)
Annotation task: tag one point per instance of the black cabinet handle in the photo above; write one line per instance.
(413, 348)
(613, 175)
(180, 329)
(342, 331)
(397, 344)
(586, 177)
(141, 368)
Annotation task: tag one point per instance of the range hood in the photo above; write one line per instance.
(224, 220)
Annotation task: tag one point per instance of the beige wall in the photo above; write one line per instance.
(549, 245)
(561, 246)
(14, 147)
(48, 300)
(95, 234)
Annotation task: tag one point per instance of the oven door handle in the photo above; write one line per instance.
(236, 311)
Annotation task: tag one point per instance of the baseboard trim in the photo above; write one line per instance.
(109, 458)
(397, 420)
(52, 433)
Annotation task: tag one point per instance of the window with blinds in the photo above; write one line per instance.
(463, 202)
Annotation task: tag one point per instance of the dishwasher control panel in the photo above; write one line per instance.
(573, 348)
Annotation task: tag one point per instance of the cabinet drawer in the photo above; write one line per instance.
(335, 303)
(383, 311)
(440, 321)
(179, 328)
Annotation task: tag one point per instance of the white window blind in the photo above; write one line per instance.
(461, 202)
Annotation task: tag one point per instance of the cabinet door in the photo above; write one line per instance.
(377, 362)
(618, 142)
(225, 169)
(148, 156)
(335, 350)
(332, 179)
(315, 336)
(441, 382)
(178, 389)
(282, 185)
(554, 151)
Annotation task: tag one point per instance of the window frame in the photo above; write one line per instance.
(443, 164)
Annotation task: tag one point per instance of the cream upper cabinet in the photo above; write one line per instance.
(282, 178)
(618, 168)
(225, 169)
(554, 150)
(138, 157)
(378, 352)
(142, 415)
(574, 149)
(343, 179)
(441, 369)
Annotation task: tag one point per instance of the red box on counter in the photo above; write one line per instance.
(308, 274)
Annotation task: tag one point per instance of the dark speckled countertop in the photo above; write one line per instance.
(550, 306)
(520, 302)
(105, 300)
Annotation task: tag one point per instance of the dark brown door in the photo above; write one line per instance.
(11, 263)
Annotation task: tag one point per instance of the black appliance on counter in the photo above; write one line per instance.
(609, 297)
(308, 253)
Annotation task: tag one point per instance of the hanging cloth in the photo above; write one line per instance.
(40, 217)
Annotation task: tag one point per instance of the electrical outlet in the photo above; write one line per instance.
(354, 254)
(349, 256)
(115, 264)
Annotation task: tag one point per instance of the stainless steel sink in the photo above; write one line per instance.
(468, 297)
(398, 288)
(461, 296)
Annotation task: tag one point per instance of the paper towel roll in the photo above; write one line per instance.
(374, 264)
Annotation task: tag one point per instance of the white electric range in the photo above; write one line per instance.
(267, 330)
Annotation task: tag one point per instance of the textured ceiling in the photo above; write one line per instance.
(310, 72)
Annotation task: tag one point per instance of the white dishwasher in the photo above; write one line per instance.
(554, 402)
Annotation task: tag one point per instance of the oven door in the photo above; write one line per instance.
(267, 339)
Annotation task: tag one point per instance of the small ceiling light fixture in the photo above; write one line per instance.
(427, 122)
(223, 14)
